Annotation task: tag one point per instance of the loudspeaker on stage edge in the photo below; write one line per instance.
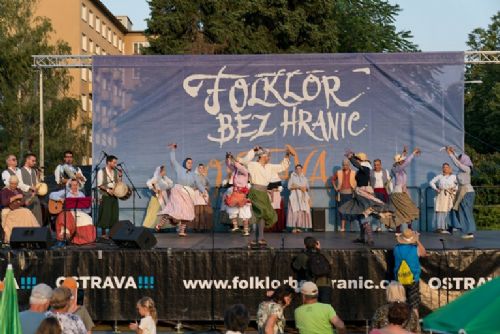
(122, 224)
(134, 237)
(31, 237)
(318, 219)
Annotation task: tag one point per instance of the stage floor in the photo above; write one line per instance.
(328, 240)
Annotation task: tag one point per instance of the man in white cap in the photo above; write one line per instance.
(314, 317)
(39, 304)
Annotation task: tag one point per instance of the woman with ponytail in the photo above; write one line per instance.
(147, 310)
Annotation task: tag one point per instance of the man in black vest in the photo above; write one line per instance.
(28, 180)
(107, 178)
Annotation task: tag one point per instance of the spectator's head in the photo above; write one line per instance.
(13, 182)
(408, 237)
(146, 306)
(398, 313)
(236, 318)
(283, 295)
(309, 292)
(395, 292)
(310, 243)
(11, 160)
(49, 325)
(72, 285)
(40, 297)
(60, 301)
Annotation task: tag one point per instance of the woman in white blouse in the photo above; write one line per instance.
(446, 186)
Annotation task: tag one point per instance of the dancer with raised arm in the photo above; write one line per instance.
(464, 201)
(180, 207)
(406, 210)
(261, 172)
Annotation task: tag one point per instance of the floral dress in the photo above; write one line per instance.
(266, 309)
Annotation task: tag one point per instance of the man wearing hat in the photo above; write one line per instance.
(407, 265)
(314, 317)
(262, 172)
(406, 210)
(74, 308)
(39, 304)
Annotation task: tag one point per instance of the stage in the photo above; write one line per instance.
(197, 277)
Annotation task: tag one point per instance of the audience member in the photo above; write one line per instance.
(407, 265)
(49, 326)
(147, 310)
(399, 313)
(270, 317)
(74, 308)
(395, 293)
(314, 317)
(39, 304)
(236, 319)
(312, 265)
(60, 303)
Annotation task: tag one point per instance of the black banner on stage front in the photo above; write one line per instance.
(181, 282)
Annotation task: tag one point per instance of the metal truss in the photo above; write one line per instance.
(482, 57)
(62, 61)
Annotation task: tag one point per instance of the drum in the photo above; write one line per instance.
(127, 195)
(42, 189)
(121, 190)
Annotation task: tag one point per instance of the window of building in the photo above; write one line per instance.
(120, 44)
(97, 49)
(91, 19)
(84, 74)
(84, 13)
(103, 52)
(84, 42)
(103, 31)
(115, 40)
(91, 46)
(90, 75)
(138, 47)
(109, 35)
(98, 24)
(84, 102)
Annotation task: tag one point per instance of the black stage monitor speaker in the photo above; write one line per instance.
(122, 224)
(134, 237)
(318, 219)
(30, 237)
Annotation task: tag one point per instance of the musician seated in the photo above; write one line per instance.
(72, 191)
(14, 214)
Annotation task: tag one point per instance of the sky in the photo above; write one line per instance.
(437, 25)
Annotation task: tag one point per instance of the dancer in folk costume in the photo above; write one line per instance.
(159, 185)
(237, 204)
(180, 207)
(344, 183)
(274, 190)
(381, 182)
(406, 210)
(364, 204)
(446, 186)
(261, 172)
(299, 207)
(464, 201)
(202, 210)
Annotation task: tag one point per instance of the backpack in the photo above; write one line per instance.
(405, 275)
(318, 265)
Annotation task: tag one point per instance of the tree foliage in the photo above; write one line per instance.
(21, 36)
(274, 26)
(482, 101)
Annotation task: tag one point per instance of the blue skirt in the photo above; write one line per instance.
(464, 216)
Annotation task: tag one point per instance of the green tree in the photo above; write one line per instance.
(21, 36)
(482, 101)
(274, 26)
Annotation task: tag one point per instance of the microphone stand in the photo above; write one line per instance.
(448, 268)
(95, 204)
(134, 191)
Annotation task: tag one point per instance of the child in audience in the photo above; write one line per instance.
(147, 310)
